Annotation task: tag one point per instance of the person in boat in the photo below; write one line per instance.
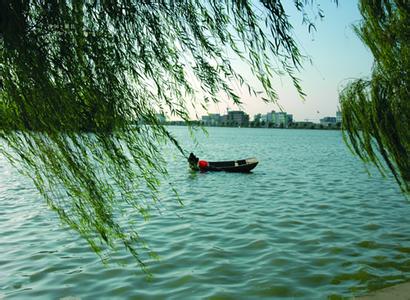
(196, 164)
(193, 162)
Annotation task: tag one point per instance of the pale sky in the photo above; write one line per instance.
(337, 55)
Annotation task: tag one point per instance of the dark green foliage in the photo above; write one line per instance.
(376, 112)
(79, 78)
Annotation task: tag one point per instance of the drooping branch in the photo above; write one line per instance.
(376, 112)
(82, 82)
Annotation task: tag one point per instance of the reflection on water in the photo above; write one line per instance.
(307, 223)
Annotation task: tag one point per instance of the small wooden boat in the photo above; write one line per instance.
(242, 165)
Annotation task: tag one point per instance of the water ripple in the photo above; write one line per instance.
(308, 223)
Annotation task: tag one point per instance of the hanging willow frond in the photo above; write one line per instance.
(376, 112)
(81, 83)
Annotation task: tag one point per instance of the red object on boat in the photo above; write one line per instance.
(202, 164)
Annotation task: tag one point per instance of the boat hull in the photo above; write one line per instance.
(238, 166)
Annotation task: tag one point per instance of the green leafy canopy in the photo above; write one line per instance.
(376, 111)
(78, 79)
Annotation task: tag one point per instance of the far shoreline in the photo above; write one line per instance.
(305, 126)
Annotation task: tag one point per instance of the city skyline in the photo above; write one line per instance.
(215, 118)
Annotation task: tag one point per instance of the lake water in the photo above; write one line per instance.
(308, 223)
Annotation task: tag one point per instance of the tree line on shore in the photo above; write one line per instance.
(262, 124)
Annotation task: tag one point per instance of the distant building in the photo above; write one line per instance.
(274, 119)
(240, 118)
(224, 120)
(281, 119)
(237, 118)
(338, 116)
(327, 121)
(264, 119)
(257, 118)
(205, 120)
(211, 120)
(270, 117)
(215, 119)
(289, 119)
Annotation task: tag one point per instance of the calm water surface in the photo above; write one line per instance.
(308, 223)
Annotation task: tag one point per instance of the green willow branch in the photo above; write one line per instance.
(81, 83)
(376, 112)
